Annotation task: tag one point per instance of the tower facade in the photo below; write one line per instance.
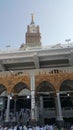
(33, 37)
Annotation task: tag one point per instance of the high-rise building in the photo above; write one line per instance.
(33, 36)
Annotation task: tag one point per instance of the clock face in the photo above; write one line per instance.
(33, 30)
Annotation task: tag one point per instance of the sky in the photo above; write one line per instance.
(55, 18)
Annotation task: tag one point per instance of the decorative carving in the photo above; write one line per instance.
(55, 79)
(10, 82)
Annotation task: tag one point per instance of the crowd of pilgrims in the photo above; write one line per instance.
(24, 127)
(22, 115)
(30, 127)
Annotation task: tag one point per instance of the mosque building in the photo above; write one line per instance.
(36, 82)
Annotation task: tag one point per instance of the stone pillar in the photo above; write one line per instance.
(14, 118)
(14, 106)
(59, 118)
(15, 103)
(8, 109)
(36, 111)
(32, 81)
(2, 108)
(41, 110)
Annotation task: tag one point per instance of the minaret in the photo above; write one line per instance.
(33, 36)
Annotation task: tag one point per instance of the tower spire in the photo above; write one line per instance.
(32, 18)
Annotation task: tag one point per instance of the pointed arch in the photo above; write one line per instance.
(19, 86)
(2, 88)
(45, 86)
(67, 85)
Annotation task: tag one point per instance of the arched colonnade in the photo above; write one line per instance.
(37, 86)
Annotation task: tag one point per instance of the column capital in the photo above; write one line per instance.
(57, 93)
(8, 93)
(32, 74)
(32, 82)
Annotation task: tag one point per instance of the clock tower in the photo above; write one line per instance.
(33, 36)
